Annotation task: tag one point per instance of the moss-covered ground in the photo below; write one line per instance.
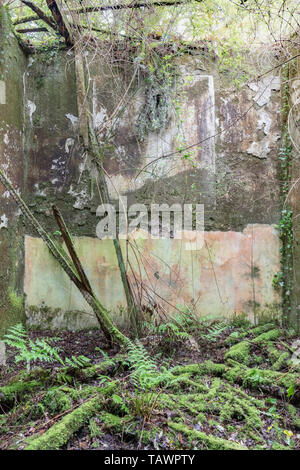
(225, 386)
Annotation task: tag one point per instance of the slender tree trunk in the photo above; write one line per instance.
(71, 269)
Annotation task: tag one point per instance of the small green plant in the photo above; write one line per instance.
(240, 320)
(94, 429)
(172, 331)
(255, 377)
(272, 411)
(104, 354)
(76, 361)
(144, 368)
(143, 404)
(172, 334)
(146, 378)
(290, 392)
(118, 405)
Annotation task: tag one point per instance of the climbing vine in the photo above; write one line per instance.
(155, 113)
(283, 279)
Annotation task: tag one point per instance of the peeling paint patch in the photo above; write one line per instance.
(217, 279)
(259, 149)
(263, 89)
(265, 122)
(2, 92)
(6, 194)
(3, 221)
(72, 118)
(100, 117)
(30, 61)
(82, 198)
(69, 144)
(31, 108)
(6, 139)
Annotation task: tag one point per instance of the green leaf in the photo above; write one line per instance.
(291, 391)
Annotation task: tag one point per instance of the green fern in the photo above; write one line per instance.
(30, 351)
(142, 365)
(39, 350)
(77, 362)
(173, 331)
(216, 330)
(146, 375)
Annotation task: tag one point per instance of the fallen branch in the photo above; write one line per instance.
(68, 241)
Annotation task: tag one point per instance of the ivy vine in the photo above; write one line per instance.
(283, 279)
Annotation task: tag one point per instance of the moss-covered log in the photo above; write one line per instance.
(60, 433)
(210, 442)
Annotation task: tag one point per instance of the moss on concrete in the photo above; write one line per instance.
(207, 367)
(261, 329)
(259, 377)
(10, 393)
(103, 368)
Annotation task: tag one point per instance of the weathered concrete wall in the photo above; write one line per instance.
(12, 64)
(234, 174)
(232, 272)
(293, 199)
(232, 169)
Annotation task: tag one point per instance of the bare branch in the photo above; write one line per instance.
(40, 14)
(32, 30)
(123, 6)
(26, 19)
